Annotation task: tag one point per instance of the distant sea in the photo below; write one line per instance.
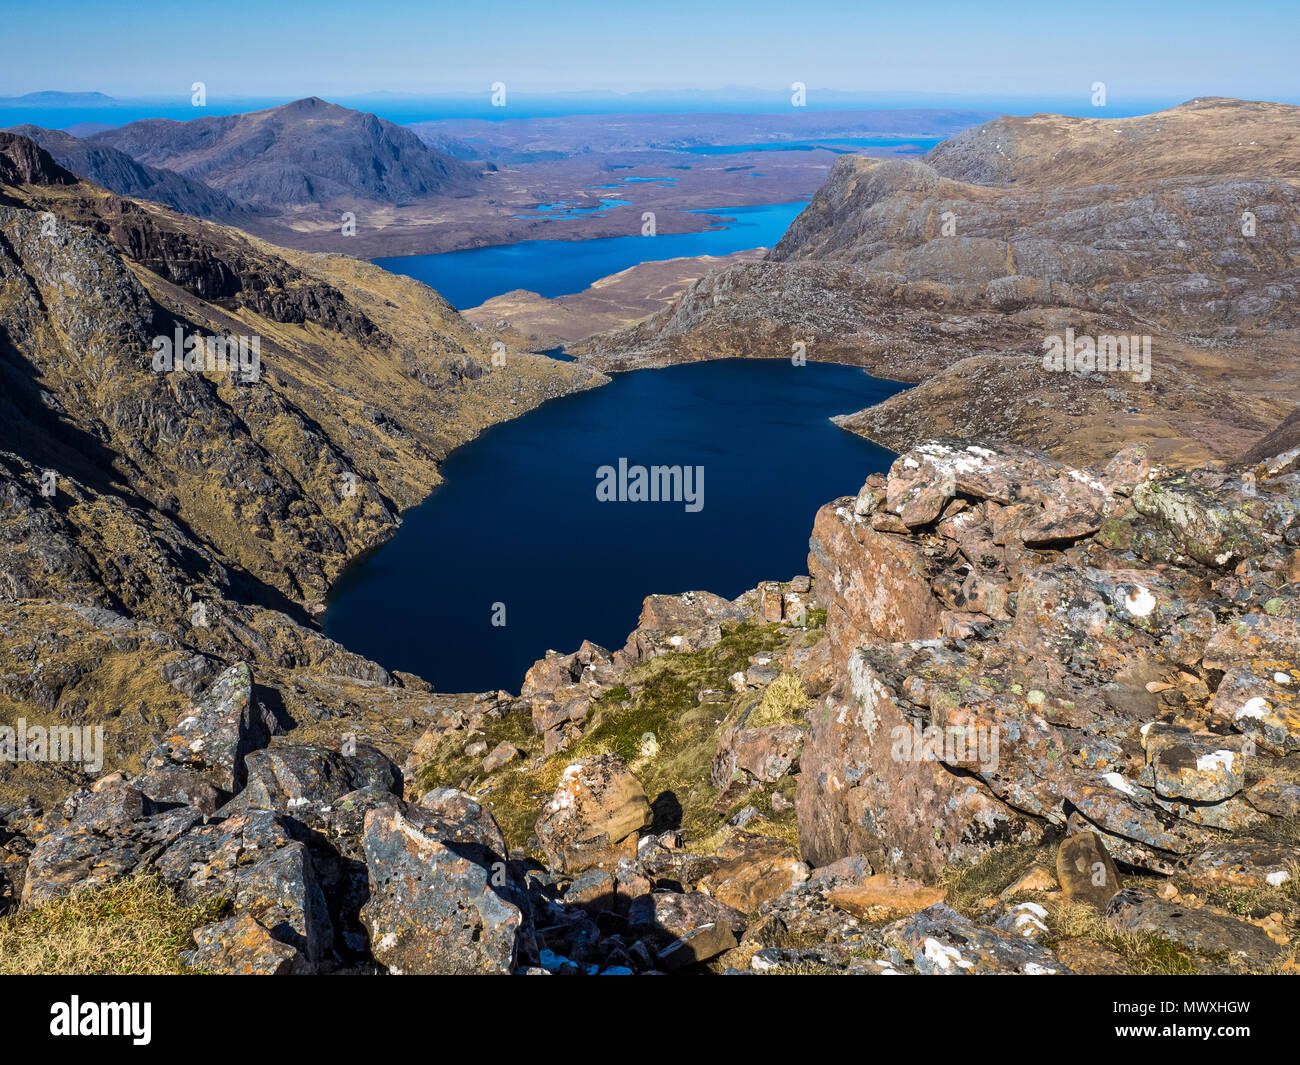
(405, 110)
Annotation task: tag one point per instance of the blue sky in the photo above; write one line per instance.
(330, 48)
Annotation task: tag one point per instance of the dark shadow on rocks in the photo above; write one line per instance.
(667, 812)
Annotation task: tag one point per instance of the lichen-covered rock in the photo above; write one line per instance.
(752, 870)
(253, 860)
(1199, 930)
(873, 782)
(110, 836)
(1199, 768)
(1247, 865)
(241, 946)
(440, 900)
(871, 585)
(883, 896)
(1039, 608)
(183, 787)
(685, 929)
(219, 731)
(289, 776)
(763, 752)
(938, 941)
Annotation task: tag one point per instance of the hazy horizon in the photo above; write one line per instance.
(436, 49)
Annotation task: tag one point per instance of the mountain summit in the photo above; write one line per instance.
(306, 152)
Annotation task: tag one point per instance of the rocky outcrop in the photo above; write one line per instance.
(221, 729)
(1084, 652)
(441, 896)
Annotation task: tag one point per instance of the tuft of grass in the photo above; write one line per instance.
(136, 925)
(1273, 830)
(1148, 954)
(783, 700)
(991, 875)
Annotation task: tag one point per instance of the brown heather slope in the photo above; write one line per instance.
(199, 518)
(1018, 230)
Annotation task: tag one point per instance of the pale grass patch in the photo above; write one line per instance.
(783, 700)
(136, 925)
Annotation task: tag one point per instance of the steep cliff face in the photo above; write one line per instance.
(288, 468)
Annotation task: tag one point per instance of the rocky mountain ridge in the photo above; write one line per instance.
(1022, 715)
(1180, 227)
(118, 172)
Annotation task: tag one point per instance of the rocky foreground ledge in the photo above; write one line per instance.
(1019, 717)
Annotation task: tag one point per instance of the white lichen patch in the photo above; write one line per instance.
(1212, 763)
(944, 956)
(1116, 781)
(1139, 602)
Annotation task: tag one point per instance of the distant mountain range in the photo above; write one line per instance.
(51, 98)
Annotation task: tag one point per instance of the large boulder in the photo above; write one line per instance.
(873, 586)
(598, 805)
(1086, 870)
(290, 776)
(866, 787)
(1201, 931)
(221, 728)
(752, 870)
(685, 929)
(240, 946)
(442, 899)
(254, 860)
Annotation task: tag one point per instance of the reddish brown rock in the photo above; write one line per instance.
(872, 585)
(883, 896)
(752, 870)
